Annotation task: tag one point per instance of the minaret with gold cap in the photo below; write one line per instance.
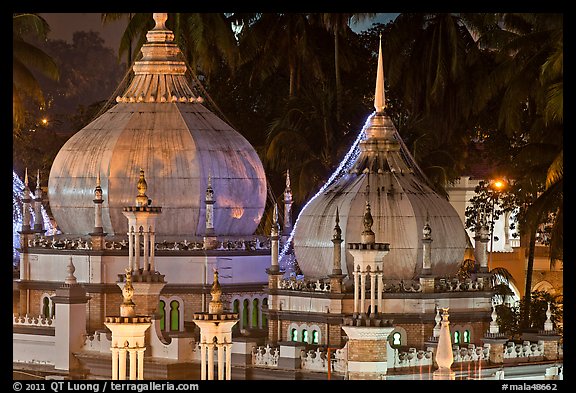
(367, 331)
(287, 228)
(38, 222)
(215, 335)
(97, 235)
(336, 277)
(128, 336)
(147, 281)
(27, 232)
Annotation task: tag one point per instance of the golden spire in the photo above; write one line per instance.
(142, 198)
(379, 95)
(216, 306)
(127, 306)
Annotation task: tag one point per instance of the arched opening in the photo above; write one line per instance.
(264, 317)
(174, 316)
(304, 336)
(315, 337)
(466, 336)
(456, 337)
(294, 334)
(245, 305)
(397, 339)
(46, 307)
(162, 308)
(255, 308)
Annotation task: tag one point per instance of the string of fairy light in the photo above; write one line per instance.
(17, 205)
(286, 260)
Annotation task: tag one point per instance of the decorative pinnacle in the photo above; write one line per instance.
(142, 198)
(26, 177)
(287, 179)
(98, 179)
(209, 189)
(128, 290)
(38, 179)
(427, 231)
(275, 226)
(368, 234)
(337, 230)
(216, 306)
(379, 95)
(70, 279)
(160, 19)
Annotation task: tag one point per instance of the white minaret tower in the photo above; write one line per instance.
(26, 227)
(444, 355)
(98, 234)
(38, 222)
(210, 240)
(215, 335)
(336, 277)
(426, 276)
(368, 262)
(287, 208)
(141, 224)
(128, 336)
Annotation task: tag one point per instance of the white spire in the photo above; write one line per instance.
(379, 96)
(26, 177)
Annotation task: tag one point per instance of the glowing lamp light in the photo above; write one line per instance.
(44, 121)
(237, 212)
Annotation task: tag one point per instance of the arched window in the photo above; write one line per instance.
(246, 303)
(397, 338)
(236, 306)
(304, 336)
(456, 337)
(314, 336)
(294, 335)
(162, 308)
(46, 307)
(174, 316)
(264, 318)
(467, 336)
(255, 308)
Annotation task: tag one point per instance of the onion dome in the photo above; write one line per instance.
(387, 179)
(159, 125)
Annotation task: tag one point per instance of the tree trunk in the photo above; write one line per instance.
(529, 270)
(337, 75)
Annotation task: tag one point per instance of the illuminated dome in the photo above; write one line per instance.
(158, 125)
(387, 176)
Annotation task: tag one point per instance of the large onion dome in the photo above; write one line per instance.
(385, 175)
(160, 126)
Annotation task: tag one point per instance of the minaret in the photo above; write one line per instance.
(26, 227)
(38, 222)
(274, 277)
(495, 339)
(128, 336)
(287, 209)
(210, 240)
(98, 234)
(336, 277)
(215, 334)
(444, 355)
(148, 282)
(70, 324)
(426, 276)
(368, 263)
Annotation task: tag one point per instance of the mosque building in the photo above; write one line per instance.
(158, 201)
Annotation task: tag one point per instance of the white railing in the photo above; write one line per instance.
(524, 350)
(411, 358)
(470, 354)
(265, 356)
(29, 320)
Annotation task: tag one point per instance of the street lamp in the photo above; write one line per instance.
(496, 185)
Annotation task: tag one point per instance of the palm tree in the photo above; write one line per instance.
(528, 82)
(338, 24)
(278, 42)
(27, 58)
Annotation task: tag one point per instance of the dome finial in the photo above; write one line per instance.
(216, 306)
(379, 96)
(160, 19)
(26, 177)
(142, 198)
(337, 229)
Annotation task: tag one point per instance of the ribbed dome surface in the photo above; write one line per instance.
(400, 201)
(160, 127)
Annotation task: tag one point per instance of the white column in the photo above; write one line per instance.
(132, 354)
(356, 289)
(220, 361)
(114, 363)
(152, 246)
(98, 215)
(210, 362)
(372, 292)
(122, 364)
(362, 292)
(202, 361)
(131, 247)
(228, 361)
(141, 363)
(137, 250)
(146, 239)
(380, 291)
